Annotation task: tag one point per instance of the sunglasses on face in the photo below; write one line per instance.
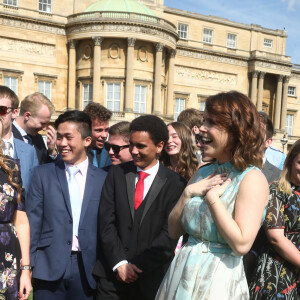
(115, 148)
(4, 109)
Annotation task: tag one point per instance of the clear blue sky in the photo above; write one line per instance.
(273, 14)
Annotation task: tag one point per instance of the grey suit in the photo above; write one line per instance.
(271, 172)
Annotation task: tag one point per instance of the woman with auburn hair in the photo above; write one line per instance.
(15, 270)
(179, 154)
(276, 275)
(222, 220)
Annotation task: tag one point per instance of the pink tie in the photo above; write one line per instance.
(139, 190)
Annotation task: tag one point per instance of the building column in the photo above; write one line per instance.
(284, 102)
(260, 90)
(129, 75)
(157, 79)
(278, 102)
(96, 69)
(254, 87)
(72, 74)
(170, 104)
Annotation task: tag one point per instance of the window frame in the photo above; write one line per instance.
(289, 127)
(180, 32)
(114, 100)
(138, 101)
(268, 43)
(46, 4)
(230, 40)
(89, 99)
(8, 4)
(44, 88)
(205, 40)
(10, 77)
(292, 88)
(179, 110)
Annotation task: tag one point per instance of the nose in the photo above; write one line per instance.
(133, 150)
(170, 139)
(202, 128)
(62, 142)
(111, 152)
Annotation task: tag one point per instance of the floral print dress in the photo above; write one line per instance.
(10, 252)
(274, 277)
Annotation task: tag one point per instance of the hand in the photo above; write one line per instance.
(51, 140)
(216, 192)
(200, 188)
(25, 284)
(128, 273)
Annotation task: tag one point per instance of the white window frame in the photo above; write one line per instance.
(268, 43)
(113, 101)
(44, 88)
(179, 106)
(231, 40)
(11, 2)
(45, 6)
(292, 91)
(87, 94)
(140, 99)
(289, 121)
(8, 81)
(202, 106)
(183, 31)
(207, 36)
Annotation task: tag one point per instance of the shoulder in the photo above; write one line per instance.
(25, 147)
(170, 175)
(100, 172)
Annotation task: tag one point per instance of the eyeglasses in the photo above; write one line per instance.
(115, 148)
(4, 109)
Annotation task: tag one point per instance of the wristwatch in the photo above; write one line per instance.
(25, 267)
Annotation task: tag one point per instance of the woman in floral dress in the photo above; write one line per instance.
(14, 234)
(276, 275)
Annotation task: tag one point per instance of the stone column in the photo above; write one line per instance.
(157, 79)
(284, 102)
(170, 104)
(260, 90)
(278, 102)
(97, 67)
(254, 87)
(72, 74)
(129, 88)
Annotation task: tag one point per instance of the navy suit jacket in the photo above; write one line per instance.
(50, 217)
(28, 161)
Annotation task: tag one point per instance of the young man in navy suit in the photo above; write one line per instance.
(62, 209)
(135, 246)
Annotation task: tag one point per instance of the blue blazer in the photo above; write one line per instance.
(28, 161)
(50, 216)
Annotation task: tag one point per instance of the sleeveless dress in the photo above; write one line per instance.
(206, 268)
(10, 252)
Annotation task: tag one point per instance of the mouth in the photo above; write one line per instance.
(170, 148)
(205, 140)
(64, 151)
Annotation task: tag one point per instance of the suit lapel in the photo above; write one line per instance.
(62, 179)
(130, 184)
(158, 182)
(18, 151)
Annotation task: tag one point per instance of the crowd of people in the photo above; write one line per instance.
(201, 208)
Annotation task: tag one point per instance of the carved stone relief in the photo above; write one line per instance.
(267, 65)
(114, 51)
(142, 54)
(87, 52)
(26, 47)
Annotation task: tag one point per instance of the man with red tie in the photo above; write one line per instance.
(135, 249)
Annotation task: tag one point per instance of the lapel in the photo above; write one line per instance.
(130, 184)
(157, 184)
(90, 182)
(62, 179)
(18, 151)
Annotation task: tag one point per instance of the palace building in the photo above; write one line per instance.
(141, 57)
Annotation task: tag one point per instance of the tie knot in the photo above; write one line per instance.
(73, 170)
(94, 151)
(143, 175)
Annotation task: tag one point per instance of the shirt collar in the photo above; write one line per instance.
(152, 171)
(11, 140)
(83, 166)
(22, 131)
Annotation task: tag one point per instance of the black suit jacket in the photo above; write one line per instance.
(38, 144)
(153, 249)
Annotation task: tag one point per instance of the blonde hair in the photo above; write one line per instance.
(34, 102)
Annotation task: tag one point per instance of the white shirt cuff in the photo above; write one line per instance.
(122, 262)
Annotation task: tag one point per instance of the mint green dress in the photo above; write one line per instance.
(206, 267)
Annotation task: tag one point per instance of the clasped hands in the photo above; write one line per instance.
(128, 273)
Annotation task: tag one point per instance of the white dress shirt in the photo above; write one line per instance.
(12, 147)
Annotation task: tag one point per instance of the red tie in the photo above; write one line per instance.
(139, 190)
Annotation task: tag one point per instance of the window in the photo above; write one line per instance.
(113, 96)
(207, 36)
(202, 105)
(289, 124)
(179, 107)
(10, 2)
(87, 94)
(268, 43)
(140, 99)
(12, 83)
(291, 91)
(45, 6)
(45, 88)
(183, 31)
(231, 40)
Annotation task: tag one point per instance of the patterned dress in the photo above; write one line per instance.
(206, 268)
(275, 278)
(10, 252)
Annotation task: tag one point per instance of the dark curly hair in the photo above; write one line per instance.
(155, 127)
(234, 112)
(187, 159)
(97, 111)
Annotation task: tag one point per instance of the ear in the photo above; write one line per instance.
(27, 115)
(269, 142)
(159, 147)
(195, 130)
(87, 141)
(14, 113)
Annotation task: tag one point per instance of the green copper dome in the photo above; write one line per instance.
(129, 6)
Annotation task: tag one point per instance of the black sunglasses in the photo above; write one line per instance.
(4, 109)
(115, 148)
